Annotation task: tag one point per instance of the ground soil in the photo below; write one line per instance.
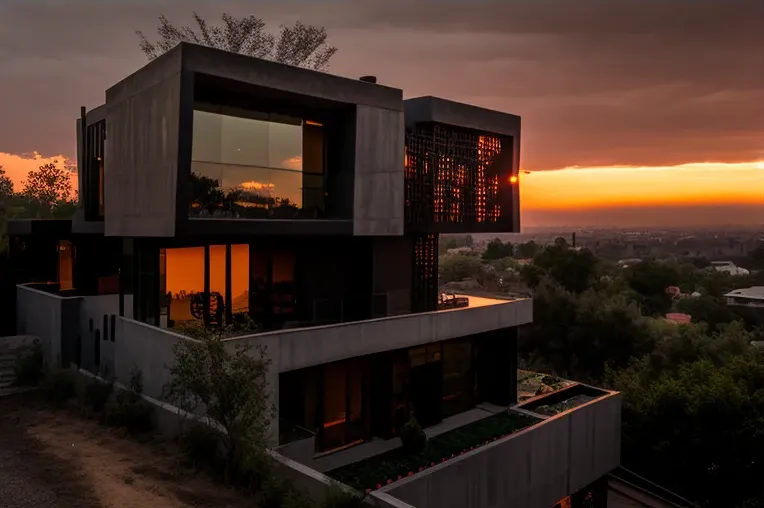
(60, 458)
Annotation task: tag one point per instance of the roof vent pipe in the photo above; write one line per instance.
(368, 79)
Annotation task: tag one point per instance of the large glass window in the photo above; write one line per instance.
(345, 404)
(255, 165)
(181, 279)
(240, 279)
(182, 284)
(458, 378)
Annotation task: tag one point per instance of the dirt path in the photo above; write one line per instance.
(55, 458)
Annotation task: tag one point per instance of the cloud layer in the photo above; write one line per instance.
(618, 82)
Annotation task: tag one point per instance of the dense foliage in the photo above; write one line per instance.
(45, 194)
(693, 408)
(693, 394)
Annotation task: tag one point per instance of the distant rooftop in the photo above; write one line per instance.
(752, 293)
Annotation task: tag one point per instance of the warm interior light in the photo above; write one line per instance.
(513, 179)
(311, 122)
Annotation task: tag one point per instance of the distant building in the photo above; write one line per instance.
(748, 302)
(728, 267)
(679, 318)
(747, 297)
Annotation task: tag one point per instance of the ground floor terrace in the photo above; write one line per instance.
(553, 449)
(352, 401)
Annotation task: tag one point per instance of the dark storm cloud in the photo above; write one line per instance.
(597, 82)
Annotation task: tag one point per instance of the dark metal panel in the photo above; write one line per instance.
(424, 290)
(216, 227)
(459, 181)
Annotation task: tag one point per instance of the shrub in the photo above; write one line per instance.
(59, 386)
(27, 370)
(339, 497)
(413, 438)
(230, 389)
(97, 394)
(279, 492)
(128, 409)
(200, 446)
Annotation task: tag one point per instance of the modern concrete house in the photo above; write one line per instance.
(216, 187)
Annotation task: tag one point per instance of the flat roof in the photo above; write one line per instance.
(187, 58)
(458, 114)
(752, 293)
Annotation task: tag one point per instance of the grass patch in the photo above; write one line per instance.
(385, 468)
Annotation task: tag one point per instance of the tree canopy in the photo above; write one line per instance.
(6, 185)
(496, 249)
(299, 44)
(693, 395)
(46, 194)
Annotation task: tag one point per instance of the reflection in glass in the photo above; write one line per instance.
(183, 278)
(335, 405)
(65, 265)
(254, 165)
(239, 279)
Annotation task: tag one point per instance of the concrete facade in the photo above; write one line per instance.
(378, 192)
(141, 150)
(534, 468)
(305, 347)
(53, 319)
(148, 349)
(149, 126)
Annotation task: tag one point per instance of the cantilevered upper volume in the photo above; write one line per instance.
(206, 134)
(204, 141)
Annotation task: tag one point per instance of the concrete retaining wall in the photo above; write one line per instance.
(52, 318)
(144, 347)
(534, 468)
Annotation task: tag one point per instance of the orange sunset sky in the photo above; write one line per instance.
(623, 103)
(711, 193)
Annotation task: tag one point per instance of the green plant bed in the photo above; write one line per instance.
(386, 468)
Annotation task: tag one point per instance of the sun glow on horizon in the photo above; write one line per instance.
(687, 184)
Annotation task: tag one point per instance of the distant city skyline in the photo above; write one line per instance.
(620, 101)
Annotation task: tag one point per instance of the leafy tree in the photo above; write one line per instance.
(526, 250)
(6, 185)
(649, 279)
(300, 45)
(448, 242)
(561, 242)
(549, 340)
(496, 249)
(709, 310)
(578, 335)
(573, 269)
(692, 419)
(48, 190)
(456, 267)
(229, 388)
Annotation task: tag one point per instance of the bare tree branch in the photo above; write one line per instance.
(300, 45)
